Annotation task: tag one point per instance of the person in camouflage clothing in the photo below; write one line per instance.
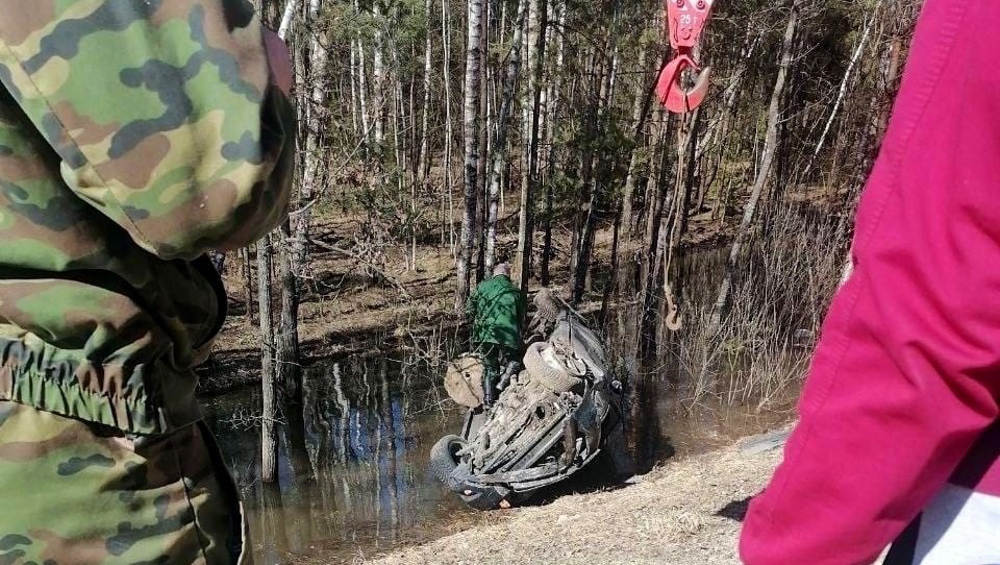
(135, 136)
(497, 308)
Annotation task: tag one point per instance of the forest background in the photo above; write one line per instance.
(438, 137)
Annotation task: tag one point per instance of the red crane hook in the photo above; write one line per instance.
(685, 21)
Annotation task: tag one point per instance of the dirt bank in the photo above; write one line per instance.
(684, 512)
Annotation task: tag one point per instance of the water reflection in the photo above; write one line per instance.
(351, 470)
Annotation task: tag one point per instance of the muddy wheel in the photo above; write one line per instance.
(444, 458)
(545, 372)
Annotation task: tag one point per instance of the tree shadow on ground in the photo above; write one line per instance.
(735, 510)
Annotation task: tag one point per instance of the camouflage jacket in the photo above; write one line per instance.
(135, 135)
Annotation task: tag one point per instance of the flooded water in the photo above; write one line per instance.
(353, 477)
(352, 471)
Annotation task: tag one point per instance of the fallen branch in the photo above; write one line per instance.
(391, 280)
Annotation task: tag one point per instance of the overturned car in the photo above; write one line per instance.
(558, 411)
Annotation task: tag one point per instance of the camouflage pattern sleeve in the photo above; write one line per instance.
(162, 112)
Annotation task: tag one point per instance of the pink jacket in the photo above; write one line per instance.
(906, 377)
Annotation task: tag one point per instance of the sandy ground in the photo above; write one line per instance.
(684, 512)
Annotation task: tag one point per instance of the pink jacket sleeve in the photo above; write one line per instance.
(907, 372)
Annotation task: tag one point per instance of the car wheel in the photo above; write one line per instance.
(444, 458)
(444, 461)
(545, 372)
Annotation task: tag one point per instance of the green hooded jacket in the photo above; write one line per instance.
(497, 308)
(134, 137)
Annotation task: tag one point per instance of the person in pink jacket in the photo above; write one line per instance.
(898, 416)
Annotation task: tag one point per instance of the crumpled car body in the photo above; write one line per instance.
(555, 417)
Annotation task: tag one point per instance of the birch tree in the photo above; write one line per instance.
(471, 120)
(530, 105)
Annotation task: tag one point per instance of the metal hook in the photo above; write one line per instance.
(669, 89)
(685, 21)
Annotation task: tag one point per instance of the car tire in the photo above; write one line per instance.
(553, 378)
(443, 460)
(443, 464)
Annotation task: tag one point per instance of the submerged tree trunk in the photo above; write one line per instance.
(274, 352)
(269, 388)
(287, 360)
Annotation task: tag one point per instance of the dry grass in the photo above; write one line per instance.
(670, 516)
(778, 301)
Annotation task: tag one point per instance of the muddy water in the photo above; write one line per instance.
(353, 478)
(352, 475)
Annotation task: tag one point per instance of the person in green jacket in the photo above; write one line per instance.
(135, 136)
(498, 309)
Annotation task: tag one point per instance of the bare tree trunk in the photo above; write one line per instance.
(553, 108)
(486, 117)
(286, 18)
(293, 235)
(398, 151)
(767, 160)
(269, 432)
(595, 184)
(355, 94)
(471, 134)
(536, 59)
(363, 91)
(248, 292)
(687, 142)
(287, 361)
(891, 64)
(379, 76)
(425, 160)
(315, 115)
(273, 357)
(499, 156)
(449, 135)
(645, 338)
(639, 109)
(627, 220)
